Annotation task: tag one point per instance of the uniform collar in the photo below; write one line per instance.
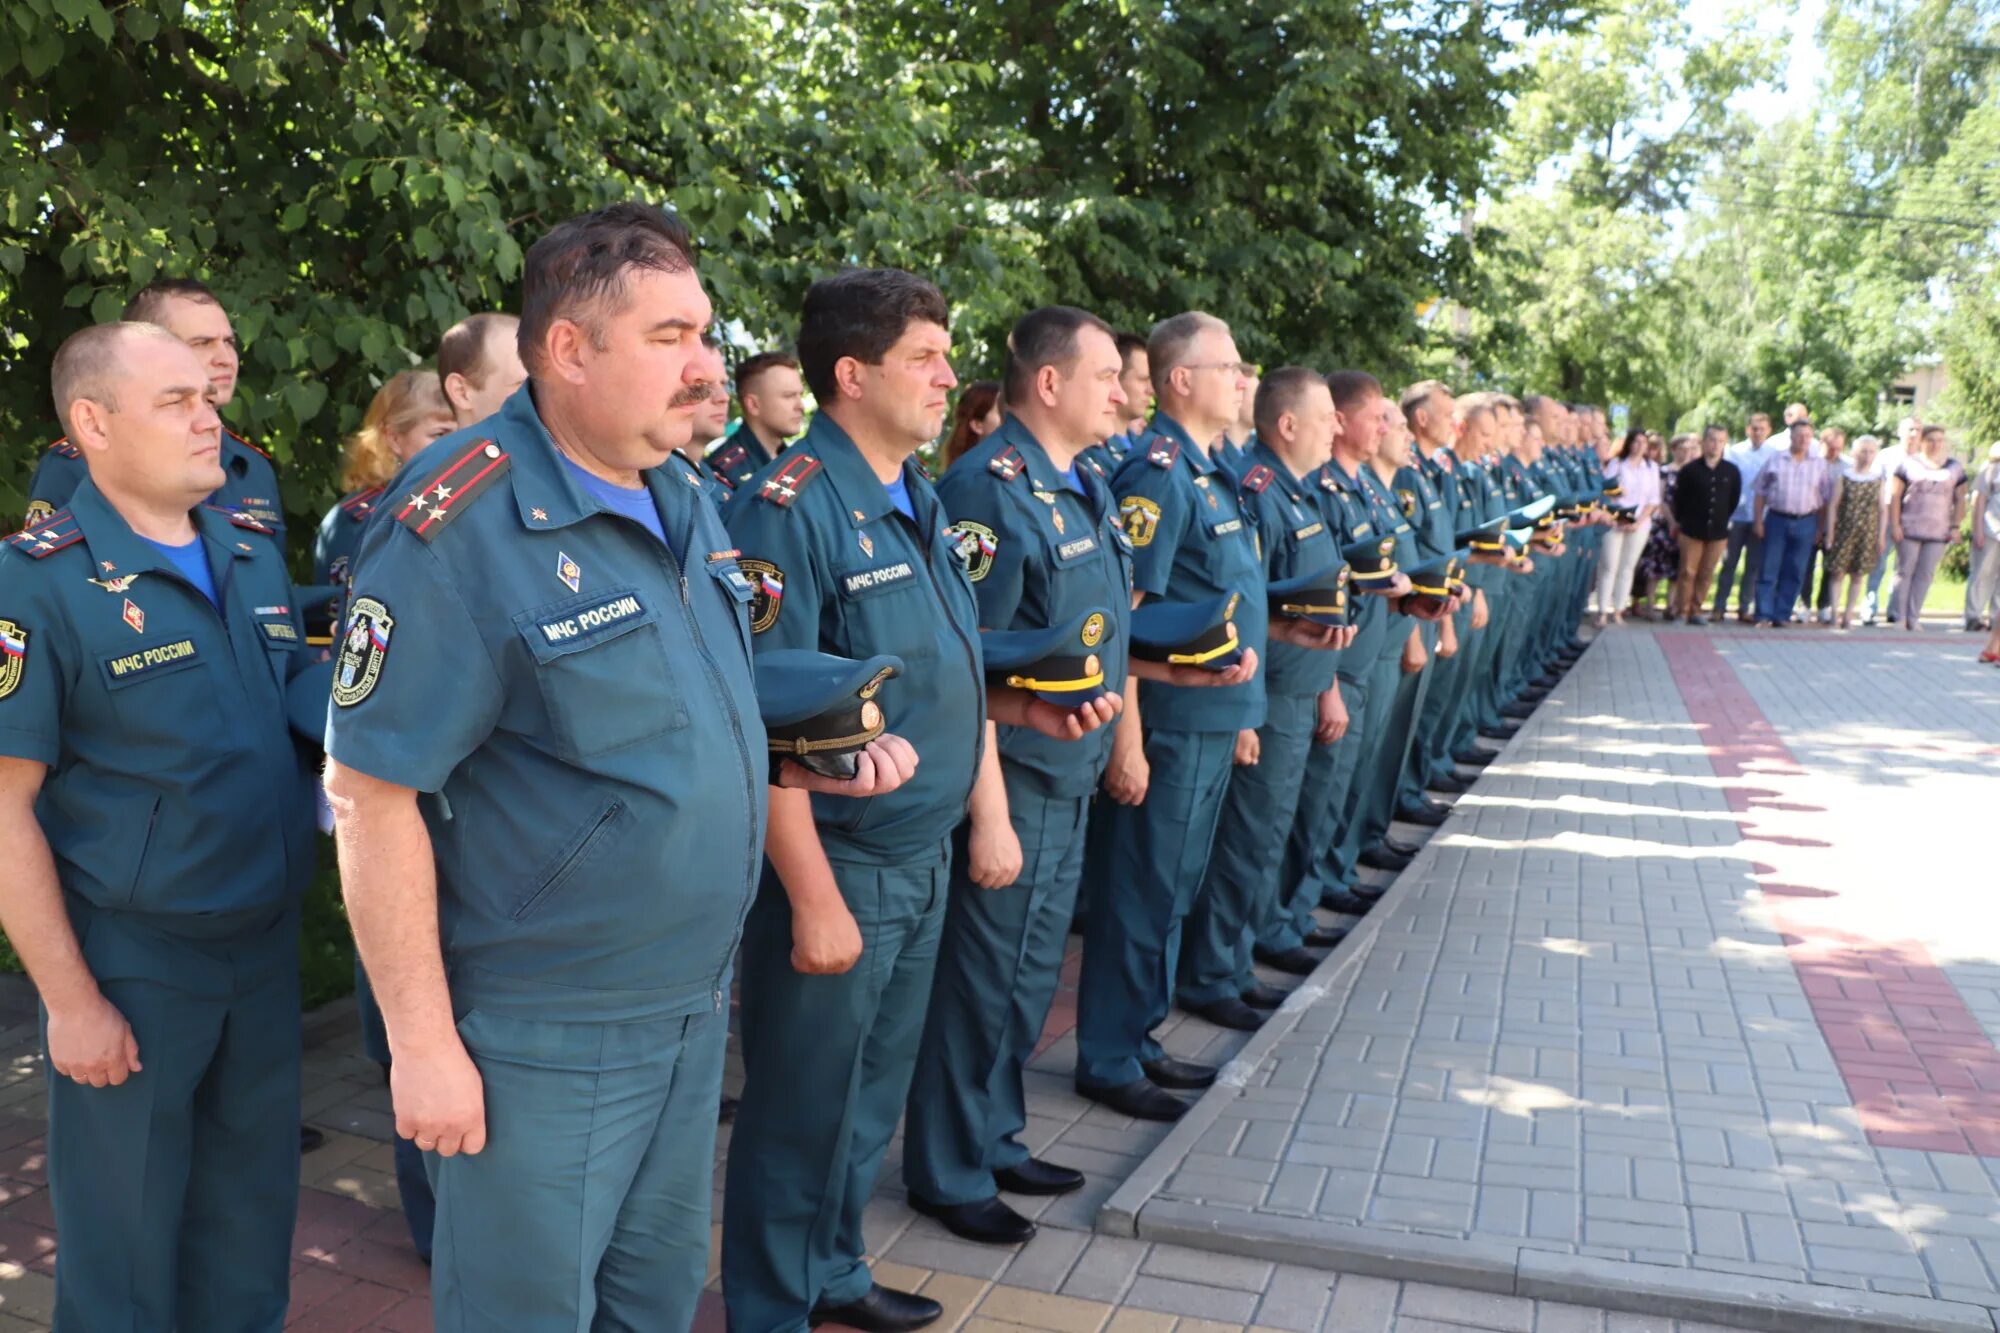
(863, 498)
(1035, 460)
(545, 494)
(117, 550)
(1265, 454)
(1196, 456)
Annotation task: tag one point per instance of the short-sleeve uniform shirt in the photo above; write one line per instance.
(174, 786)
(573, 697)
(838, 568)
(1041, 552)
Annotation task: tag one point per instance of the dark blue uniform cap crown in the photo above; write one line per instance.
(1320, 597)
(820, 709)
(306, 699)
(1059, 663)
(1488, 538)
(1199, 633)
(1532, 512)
(1373, 560)
(1434, 581)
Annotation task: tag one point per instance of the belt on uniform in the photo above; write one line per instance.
(1807, 514)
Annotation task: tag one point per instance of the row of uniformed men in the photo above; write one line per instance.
(558, 814)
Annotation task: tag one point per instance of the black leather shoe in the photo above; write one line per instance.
(1345, 902)
(1369, 893)
(986, 1222)
(1475, 757)
(1424, 816)
(1518, 711)
(1550, 681)
(1401, 848)
(1180, 1075)
(1451, 784)
(311, 1138)
(726, 1113)
(1141, 1099)
(1381, 858)
(1294, 962)
(880, 1311)
(1325, 937)
(1500, 733)
(1035, 1176)
(1228, 1012)
(1261, 996)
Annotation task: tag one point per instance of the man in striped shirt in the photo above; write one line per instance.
(1792, 492)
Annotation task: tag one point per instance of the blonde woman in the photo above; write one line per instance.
(409, 411)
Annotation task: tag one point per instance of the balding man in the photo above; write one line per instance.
(191, 312)
(146, 650)
(479, 365)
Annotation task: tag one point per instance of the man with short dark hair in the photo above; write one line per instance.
(1706, 492)
(1744, 545)
(711, 418)
(773, 395)
(191, 312)
(1135, 380)
(550, 801)
(158, 817)
(844, 539)
(1789, 511)
(479, 365)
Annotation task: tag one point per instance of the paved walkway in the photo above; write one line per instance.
(1630, 1041)
(1690, 1009)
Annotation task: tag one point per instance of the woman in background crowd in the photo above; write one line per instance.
(1833, 444)
(977, 416)
(1625, 541)
(1660, 562)
(1926, 505)
(1860, 523)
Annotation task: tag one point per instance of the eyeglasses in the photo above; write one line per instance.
(1239, 367)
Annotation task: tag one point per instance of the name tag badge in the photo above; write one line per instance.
(1310, 530)
(126, 666)
(593, 622)
(281, 630)
(1224, 528)
(872, 580)
(1072, 549)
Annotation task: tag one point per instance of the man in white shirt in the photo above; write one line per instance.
(1891, 458)
(1745, 545)
(1982, 590)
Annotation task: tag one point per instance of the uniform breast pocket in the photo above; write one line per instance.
(888, 607)
(606, 677)
(1232, 550)
(165, 695)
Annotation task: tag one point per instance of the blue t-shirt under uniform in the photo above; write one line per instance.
(899, 495)
(192, 562)
(635, 503)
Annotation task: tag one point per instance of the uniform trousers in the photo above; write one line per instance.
(999, 964)
(827, 1063)
(1132, 938)
(1329, 769)
(176, 1192)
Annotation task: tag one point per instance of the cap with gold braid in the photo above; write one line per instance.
(1320, 597)
(1489, 538)
(820, 709)
(1433, 583)
(1199, 634)
(1060, 663)
(1373, 561)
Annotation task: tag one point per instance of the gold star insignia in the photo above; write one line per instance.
(108, 566)
(539, 515)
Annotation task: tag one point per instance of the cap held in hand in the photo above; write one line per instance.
(821, 710)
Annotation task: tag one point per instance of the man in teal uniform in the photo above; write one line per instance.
(846, 546)
(549, 781)
(711, 418)
(1428, 484)
(1040, 537)
(1238, 904)
(1478, 503)
(774, 408)
(190, 311)
(1435, 425)
(147, 646)
(1190, 542)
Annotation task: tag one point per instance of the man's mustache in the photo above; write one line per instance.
(699, 393)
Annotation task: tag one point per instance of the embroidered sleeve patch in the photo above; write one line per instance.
(362, 651)
(975, 545)
(767, 592)
(13, 655)
(1140, 518)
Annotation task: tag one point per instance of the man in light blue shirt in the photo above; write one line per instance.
(1749, 455)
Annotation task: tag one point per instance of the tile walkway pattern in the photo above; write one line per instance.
(1695, 994)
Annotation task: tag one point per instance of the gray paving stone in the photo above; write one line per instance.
(1191, 1299)
(1107, 1266)
(1295, 1299)
(1484, 1310)
(1209, 1270)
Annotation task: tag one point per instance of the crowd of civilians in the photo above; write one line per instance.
(1802, 527)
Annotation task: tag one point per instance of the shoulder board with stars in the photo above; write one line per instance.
(361, 503)
(431, 505)
(47, 537)
(258, 449)
(1163, 452)
(783, 486)
(1008, 463)
(243, 520)
(1257, 478)
(62, 448)
(731, 456)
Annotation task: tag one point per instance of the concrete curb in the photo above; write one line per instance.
(1120, 1215)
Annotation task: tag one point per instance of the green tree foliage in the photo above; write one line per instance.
(354, 176)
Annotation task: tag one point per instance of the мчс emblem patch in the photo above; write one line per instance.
(362, 649)
(767, 592)
(975, 545)
(13, 656)
(1139, 517)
